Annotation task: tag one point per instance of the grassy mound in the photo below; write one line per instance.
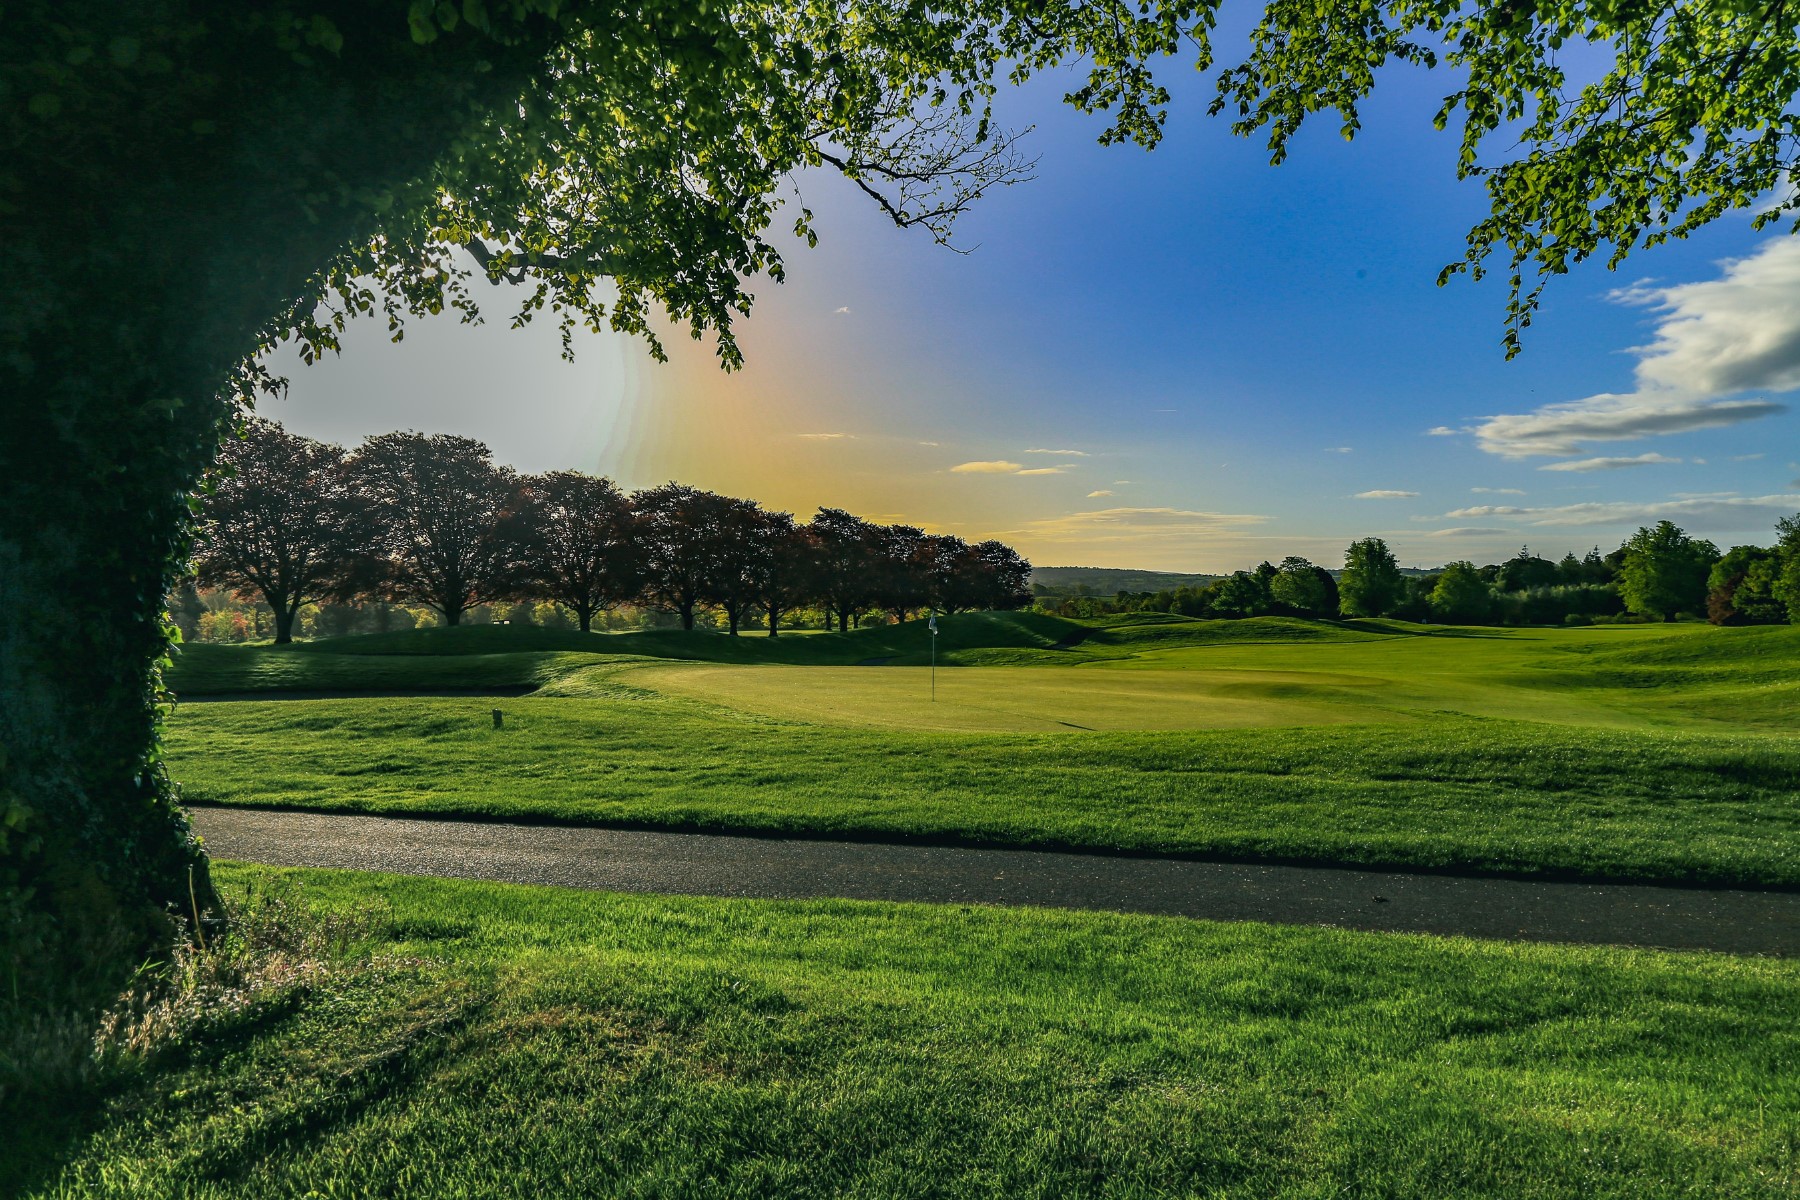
(537, 1042)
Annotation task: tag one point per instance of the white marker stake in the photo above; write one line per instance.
(934, 658)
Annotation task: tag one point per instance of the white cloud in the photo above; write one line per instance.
(1164, 538)
(1001, 466)
(1745, 457)
(1497, 491)
(1609, 464)
(1067, 453)
(844, 309)
(1737, 333)
(827, 437)
(1340, 449)
(1385, 494)
(1732, 512)
(930, 443)
(1443, 431)
(1561, 429)
(1468, 531)
(1714, 340)
(1098, 494)
(1127, 524)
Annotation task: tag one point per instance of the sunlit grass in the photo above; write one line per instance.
(1516, 796)
(558, 1043)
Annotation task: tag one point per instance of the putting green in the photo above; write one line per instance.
(1043, 699)
(1555, 676)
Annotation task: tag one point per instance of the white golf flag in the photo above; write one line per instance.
(933, 624)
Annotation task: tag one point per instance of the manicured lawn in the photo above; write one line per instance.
(1149, 672)
(1446, 792)
(540, 1043)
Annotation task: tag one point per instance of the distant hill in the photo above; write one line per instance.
(1108, 581)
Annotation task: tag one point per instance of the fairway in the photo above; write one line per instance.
(1020, 700)
(1641, 753)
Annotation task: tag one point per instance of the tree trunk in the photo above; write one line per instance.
(284, 622)
(687, 615)
(92, 842)
(843, 621)
(453, 614)
(585, 614)
(156, 229)
(774, 621)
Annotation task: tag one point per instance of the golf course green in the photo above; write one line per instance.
(1633, 752)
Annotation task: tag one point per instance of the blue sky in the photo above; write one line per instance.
(1183, 360)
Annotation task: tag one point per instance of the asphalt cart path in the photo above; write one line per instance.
(1732, 921)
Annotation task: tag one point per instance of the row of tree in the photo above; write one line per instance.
(432, 520)
(1660, 573)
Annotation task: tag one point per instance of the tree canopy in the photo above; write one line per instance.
(1371, 583)
(1665, 571)
(280, 522)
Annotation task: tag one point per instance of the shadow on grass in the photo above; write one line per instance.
(285, 1101)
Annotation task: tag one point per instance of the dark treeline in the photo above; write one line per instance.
(1659, 573)
(408, 518)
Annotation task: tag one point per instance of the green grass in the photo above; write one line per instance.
(479, 652)
(556, 1043)
(1509, 796)
(1644, 676)
(1655, 753)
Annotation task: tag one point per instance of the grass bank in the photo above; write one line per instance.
(1516, 797)
(537, 1042)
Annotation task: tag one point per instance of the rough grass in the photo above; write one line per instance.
(580, 1044)
(1452, 793)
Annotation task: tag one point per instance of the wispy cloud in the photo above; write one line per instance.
(1098, 494)
(1714, 340)
(1001, 466)
(1385, 494)
(930, 443)
(1443, 431)
(1735, 512)
(1609, 464)
(1065, 453)
(1562, 429)
(1468, 531)
(1340, 449)
(1745, 457)
(1174, 539)
(827, 437)
(844, 309)
(1497, 491)
(1135, 524)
